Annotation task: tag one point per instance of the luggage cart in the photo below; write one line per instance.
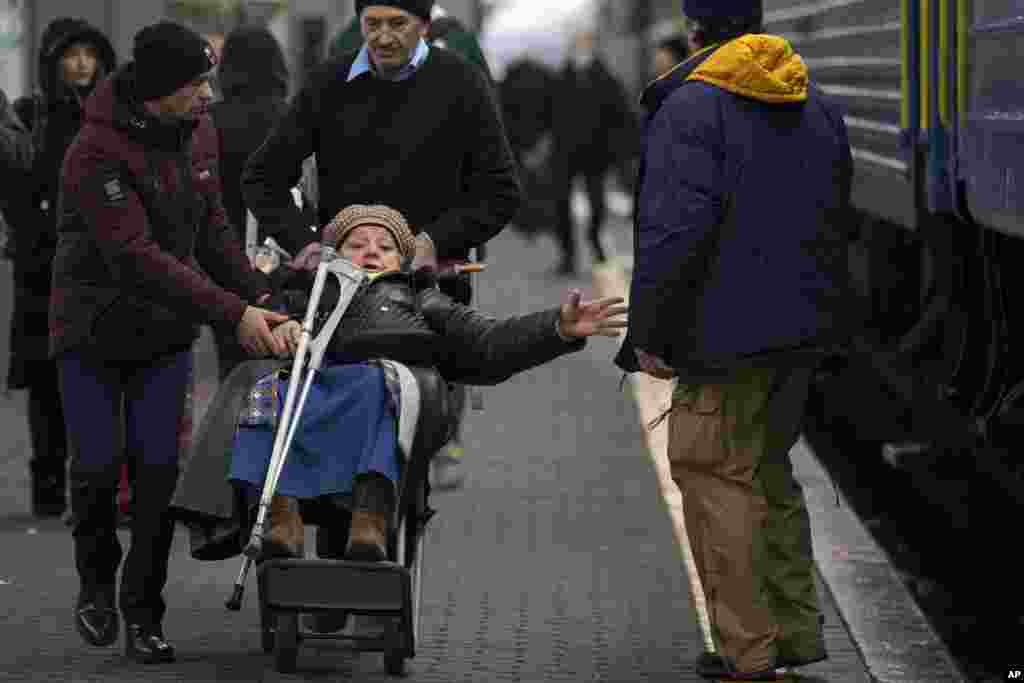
(390, 591)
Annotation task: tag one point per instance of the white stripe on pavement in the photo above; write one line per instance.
(653, 397)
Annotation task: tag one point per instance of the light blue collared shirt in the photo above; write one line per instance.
(363, 65)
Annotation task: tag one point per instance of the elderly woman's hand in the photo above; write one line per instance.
(589, 318)
(289, 334)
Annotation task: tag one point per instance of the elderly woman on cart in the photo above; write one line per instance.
(352, 440)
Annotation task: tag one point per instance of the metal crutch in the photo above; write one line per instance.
(350, 277)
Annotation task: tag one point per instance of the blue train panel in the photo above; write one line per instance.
(854, 51)
(988, 67)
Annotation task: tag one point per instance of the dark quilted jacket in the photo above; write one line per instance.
(406, 318)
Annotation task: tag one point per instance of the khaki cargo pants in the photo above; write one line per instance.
(745, 513)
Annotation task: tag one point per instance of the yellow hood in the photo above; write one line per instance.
(761, 67)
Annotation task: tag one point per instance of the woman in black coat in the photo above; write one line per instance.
(73, 57)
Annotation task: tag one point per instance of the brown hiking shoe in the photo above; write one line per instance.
(286, 535)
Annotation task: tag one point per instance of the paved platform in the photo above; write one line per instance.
(556, 562)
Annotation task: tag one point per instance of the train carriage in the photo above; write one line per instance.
(936, 122)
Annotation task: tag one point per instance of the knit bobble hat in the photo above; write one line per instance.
(351, 217)
(702, 10)
(167, 56)
(421, 8)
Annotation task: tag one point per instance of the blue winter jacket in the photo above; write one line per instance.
(743, 214)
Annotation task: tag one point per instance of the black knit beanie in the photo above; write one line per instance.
(167, 56)
(420, 8)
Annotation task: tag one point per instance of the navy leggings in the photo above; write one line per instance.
(151, 399)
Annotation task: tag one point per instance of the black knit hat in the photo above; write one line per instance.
(721, 9)
(420, 8)
(167, 56)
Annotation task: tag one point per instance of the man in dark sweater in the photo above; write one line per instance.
(397, 123)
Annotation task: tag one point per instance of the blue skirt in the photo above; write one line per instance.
(348, 427)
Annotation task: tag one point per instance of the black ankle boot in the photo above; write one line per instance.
(96, 618)
(146, 644)
(97, 557)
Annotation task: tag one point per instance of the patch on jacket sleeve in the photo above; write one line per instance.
(114, 191)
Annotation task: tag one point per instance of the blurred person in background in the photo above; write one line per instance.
(398, 123)
(15, 166)
(348, 40)
(527, 95)
(253, 80)
(740, 310)
(447, 32)
(594, 129)
(669, 52)
(73, 57)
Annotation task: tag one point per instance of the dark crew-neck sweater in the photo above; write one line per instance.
(432, 146)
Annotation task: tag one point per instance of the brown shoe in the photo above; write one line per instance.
(286, 535)
(373, 504)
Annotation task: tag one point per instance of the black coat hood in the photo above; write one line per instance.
(58, 36)
(252, 63)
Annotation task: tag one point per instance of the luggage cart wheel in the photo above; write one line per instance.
(394, 662)
(286, 643)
